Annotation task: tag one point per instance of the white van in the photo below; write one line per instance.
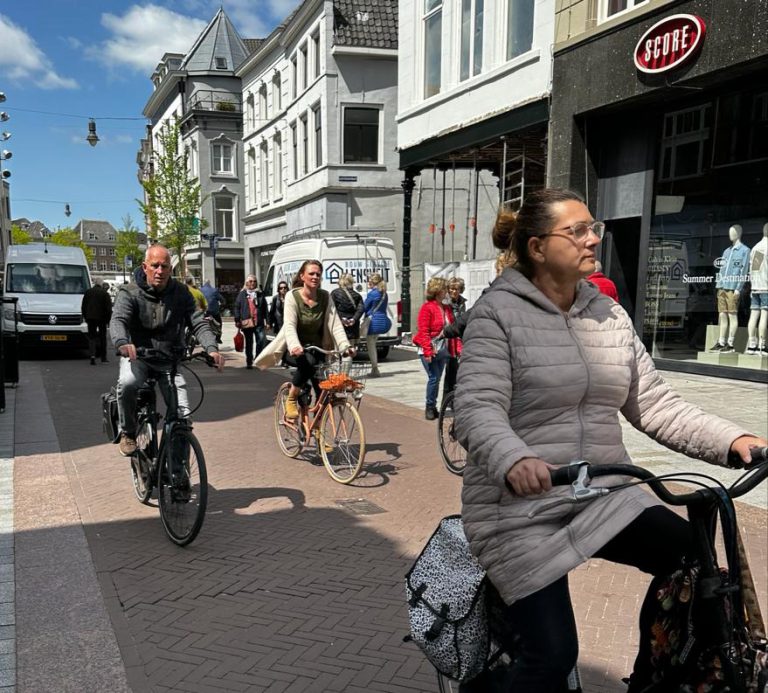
(49, 282)
(355, 255)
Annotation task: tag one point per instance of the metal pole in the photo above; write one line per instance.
(477, 194)
(434, 208)
(503, 190)
(405, 293)
(442, 224)
(453, 211)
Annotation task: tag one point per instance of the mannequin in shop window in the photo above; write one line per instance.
(729, 284)
(758, 309)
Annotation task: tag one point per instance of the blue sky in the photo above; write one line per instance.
(92, 58)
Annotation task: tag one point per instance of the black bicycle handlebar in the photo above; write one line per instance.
(150, 353)
(759, 466)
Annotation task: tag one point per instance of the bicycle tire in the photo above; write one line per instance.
(288, 438)
(146, 446)
(453, 454)
(341, 439)
(182, 487)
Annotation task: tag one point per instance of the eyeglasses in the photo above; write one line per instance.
(579, 231)
(282, 288)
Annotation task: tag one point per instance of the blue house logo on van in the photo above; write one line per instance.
(359, 269)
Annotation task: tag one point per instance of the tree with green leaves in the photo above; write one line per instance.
(70, 237)
(172, 197)
(19, 236)
(128, 251)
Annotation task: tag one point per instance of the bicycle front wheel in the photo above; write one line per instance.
(182, 486)
(453, 454)
(342, 441)
(288, 436)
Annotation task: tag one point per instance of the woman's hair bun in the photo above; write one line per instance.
(504, 228)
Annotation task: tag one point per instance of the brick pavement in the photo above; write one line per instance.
(283, 590)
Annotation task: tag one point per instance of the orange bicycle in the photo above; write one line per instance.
(333, 422)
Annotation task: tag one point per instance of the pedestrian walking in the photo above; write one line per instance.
(456, 289)
(548, 364)
(375, 319)
(277, 309)
(200, 301)
(604, 285)
(251, 317)
(310, 320)
(349, 306)
(96, 308)
(213, 298)
(434, 350)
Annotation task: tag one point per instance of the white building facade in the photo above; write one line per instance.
(474, 84)
(320, 98)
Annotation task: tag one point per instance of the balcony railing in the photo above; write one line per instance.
(210, 100)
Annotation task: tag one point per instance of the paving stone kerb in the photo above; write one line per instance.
(284, 590)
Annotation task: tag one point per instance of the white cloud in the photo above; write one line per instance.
(143, 34)
(22, 61)
(252, 25)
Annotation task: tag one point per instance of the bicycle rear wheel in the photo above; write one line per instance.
(141, 460)
(288, 436)
(182, 486)
(341, 440)
(453, 454)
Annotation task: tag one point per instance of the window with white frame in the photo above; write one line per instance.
(253, 171)
(103, 266)
(194, 170)
(102, 251)
(294, 77)
(303, 67)
(224, 216)
(112, 252)
(263, 107)
(113, 266)
(222, 158)
(316, 53)
(250, 112)
(303, 125)
(519, 27)
(317, 121)
(277, 166)
(277, 96)
(686, 143)
(294, 151)
(433, 36)
(471, 38)
(361, 135)
(92, 236)
(614, 7)
(110, 236)
(264, 178)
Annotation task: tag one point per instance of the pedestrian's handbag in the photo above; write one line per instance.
(439, 343)
(446, 592)
(109, 417)
(365, 323)
(239, 341)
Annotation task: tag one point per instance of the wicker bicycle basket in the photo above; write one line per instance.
(343, 377)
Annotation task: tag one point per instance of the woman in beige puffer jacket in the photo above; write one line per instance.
(548, 364)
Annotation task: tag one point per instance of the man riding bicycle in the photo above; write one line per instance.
(153, 312)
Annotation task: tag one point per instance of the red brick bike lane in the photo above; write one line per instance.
(289, 587)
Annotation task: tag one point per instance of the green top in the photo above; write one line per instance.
(311, 319)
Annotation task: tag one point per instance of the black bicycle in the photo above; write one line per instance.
(720, 638)
(453, 454)
(174, 465)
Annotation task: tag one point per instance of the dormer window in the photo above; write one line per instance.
(221, 63)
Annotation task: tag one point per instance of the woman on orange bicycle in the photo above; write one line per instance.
(309, 319)
(548, 364)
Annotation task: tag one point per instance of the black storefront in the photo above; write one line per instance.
(676, 163)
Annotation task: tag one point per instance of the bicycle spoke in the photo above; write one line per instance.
(342, 441)
(288, 435)
(453, 454)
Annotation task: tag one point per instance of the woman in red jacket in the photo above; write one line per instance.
(434, 350)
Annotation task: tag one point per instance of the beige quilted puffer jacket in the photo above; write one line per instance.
(535, 382)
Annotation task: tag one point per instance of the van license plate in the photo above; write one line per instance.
(54, 337)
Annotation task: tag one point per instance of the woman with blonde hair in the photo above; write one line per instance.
(250, 315)
(456, 288)
(375, 311)
(349, 306)
(435, 350)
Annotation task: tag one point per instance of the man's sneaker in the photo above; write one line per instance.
(127, 446)
(727, 349)
(752, 350)
(718, 347)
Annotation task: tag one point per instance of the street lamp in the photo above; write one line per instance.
(92, 138)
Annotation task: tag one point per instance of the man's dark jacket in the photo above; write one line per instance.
(96, 305)
(146, 317)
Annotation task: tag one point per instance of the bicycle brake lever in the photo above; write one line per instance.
(581, 490)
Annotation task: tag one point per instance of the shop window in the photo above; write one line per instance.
(741, 128)
(614, 7)
(471, 38)
(361, 135)
(433, 38)
(519, 27)
(224, 216)
(685, 143)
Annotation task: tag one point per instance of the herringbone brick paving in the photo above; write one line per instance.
(283, 590)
